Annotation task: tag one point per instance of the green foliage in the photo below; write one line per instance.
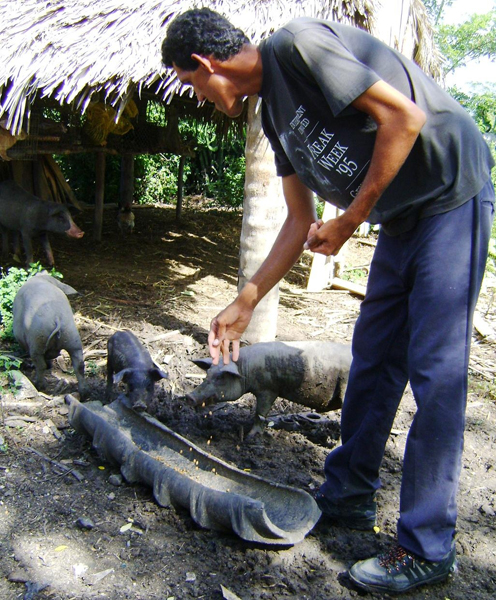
(481, 104)
(92, 368)
(227, 189)
(10, 282)
(435, 8)
(358, 275)
(156, 113)
(471, 40)
(218, 168)
(156, 178)
(319, 207)
(79, 171)
(8, 364)
(486, 389)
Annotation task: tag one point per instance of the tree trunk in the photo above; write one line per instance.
(264, 211)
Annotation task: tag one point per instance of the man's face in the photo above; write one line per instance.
(213, 86)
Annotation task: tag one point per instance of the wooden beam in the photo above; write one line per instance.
(343, 284)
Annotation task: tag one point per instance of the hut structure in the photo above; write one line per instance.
(80, 75)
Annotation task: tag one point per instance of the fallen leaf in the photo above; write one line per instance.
(96, 577)
(228, 595)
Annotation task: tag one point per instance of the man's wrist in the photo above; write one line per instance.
(248, 296)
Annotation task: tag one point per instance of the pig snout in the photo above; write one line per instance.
(199, 401)
(74, 231)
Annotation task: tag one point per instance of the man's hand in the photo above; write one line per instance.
(228, 327)
(328, 238)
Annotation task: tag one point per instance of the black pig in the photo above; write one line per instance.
(27, 215)
(129, 361)
(314, 374)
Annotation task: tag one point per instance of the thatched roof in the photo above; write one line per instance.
(72, 50)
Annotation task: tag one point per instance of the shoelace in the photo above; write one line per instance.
(397, 556)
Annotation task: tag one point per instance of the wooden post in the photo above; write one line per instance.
(22, 174)
(322, 270)
(40, 183)
(99, 194)
(180, 173)
(127, 180)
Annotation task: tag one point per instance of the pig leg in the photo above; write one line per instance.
(40, 366)
(17, 247)
(265, 400)
(5, 243)
(45, 243)
(28, 247)
(78, 366)
(110, 380)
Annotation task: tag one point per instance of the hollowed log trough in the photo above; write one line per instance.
(218, 495)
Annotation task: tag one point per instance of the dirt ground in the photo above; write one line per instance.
(70, 528)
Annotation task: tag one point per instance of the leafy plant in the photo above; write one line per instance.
(358, 275)
(8, 364)
(92, 368)
(218, 168)
(156, 178)
(471, 40)
(10, 282)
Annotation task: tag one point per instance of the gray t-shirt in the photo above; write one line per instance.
(312, 72)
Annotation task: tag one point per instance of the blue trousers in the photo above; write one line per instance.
(415, 325)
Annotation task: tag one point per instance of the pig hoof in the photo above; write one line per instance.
(253, 435)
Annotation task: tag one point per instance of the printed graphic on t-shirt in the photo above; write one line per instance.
(325, 158)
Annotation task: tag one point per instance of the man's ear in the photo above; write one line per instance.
(204, 62)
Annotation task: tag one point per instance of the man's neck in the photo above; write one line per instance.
(245, 69)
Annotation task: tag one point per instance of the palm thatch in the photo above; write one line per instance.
(70, 52)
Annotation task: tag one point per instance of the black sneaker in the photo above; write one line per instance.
(357, 514)
(398, 571)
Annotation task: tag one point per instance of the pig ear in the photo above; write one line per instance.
(118, 377)
(56, 210)
(231, 368)
(156, 374)
(203, 363)
(67, 289)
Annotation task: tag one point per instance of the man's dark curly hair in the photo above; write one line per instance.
(200, 31)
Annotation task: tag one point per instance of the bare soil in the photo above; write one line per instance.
(69, 528)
